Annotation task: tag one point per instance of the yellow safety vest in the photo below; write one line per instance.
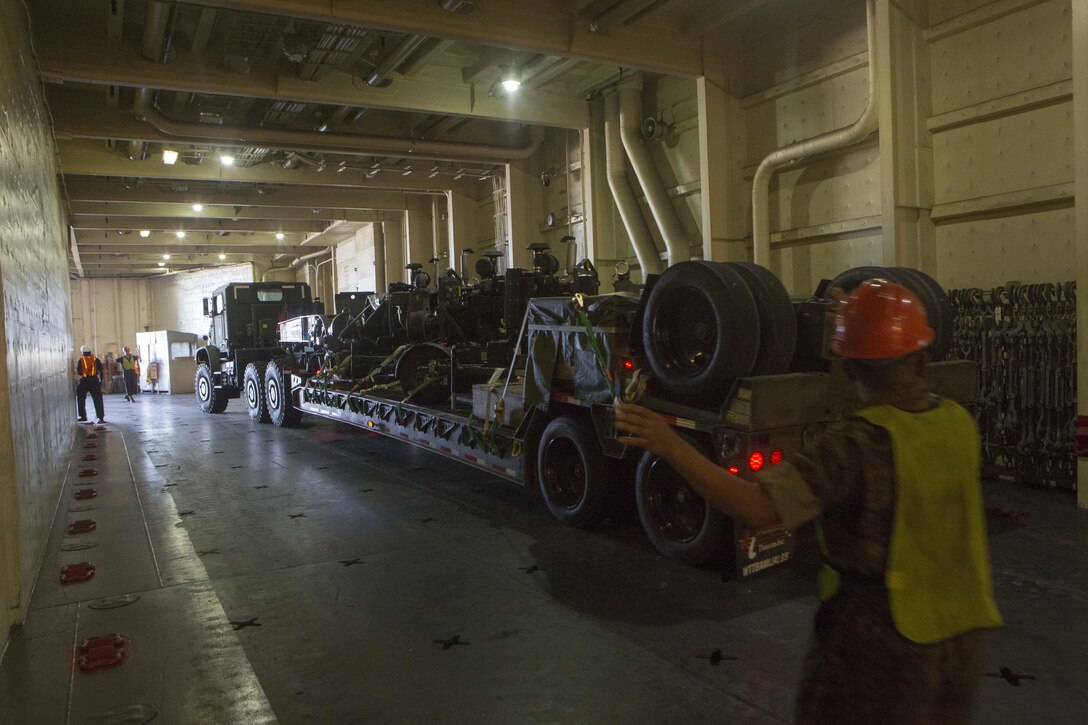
(128, 362)
(938, 572)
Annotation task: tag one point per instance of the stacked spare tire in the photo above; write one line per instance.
(708, 323)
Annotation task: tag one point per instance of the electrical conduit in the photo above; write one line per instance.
(761, 183)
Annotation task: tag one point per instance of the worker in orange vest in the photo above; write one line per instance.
(89, 369)
(895, 491)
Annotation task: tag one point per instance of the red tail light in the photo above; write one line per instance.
(734, 470)
(755, 461)
(776, 457)
(628, 364)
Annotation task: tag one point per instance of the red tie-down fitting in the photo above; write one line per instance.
(100, 653)
(75, 573)
(1080, 437)
(88, 473)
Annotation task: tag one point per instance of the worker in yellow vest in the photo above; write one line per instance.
(896, 493)
(89, 370)
(130, 368)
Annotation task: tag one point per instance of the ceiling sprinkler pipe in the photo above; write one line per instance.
(619, 13)
(306, 257)
(761, 183)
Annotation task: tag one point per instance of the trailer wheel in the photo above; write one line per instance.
(253, 391)
(700, 331)
(281, 408)
(571, 472)
(414, 368)
(676, 518)
(210, 399)
(777, 319)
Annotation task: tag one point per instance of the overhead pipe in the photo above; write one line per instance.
(867, 123)
(382, 74)
(664, 213)
(158, 17)
(616, 165)
(338, 143)
(307, 257)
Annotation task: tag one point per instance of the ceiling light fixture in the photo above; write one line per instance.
(169, 157)
(198, 207)
(279, 236)
(162, 264)
(226, 160)
(511, 78)
(179, 235)
(222, 256)
(145, 233)
(166, 256)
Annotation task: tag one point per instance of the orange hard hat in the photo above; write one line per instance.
(880, 320)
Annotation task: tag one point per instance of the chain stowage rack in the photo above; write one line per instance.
(1024, 340)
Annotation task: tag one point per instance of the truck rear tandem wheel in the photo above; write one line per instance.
(281, 406)
(254, 394)
(211, 398)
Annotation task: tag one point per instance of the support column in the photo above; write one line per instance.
(521, 203)
(381, 280)
(906, 146)
(420, 231)
(1080, 219)
(721, 148)
(460, 216)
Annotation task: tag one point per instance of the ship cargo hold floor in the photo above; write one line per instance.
(324, 575)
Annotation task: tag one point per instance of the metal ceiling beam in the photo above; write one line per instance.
(84, 58)
(520, 24)
(110, 249)
(79, 209)
(89, 158)
(93, 189)
(238, 240)
(199, 225)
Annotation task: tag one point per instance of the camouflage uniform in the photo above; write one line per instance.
(859, 668)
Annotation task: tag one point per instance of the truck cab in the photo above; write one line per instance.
(244, 340)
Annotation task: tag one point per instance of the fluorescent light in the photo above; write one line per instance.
(222, 256)
(511, 78)
(145, 233)
(179, 235)
(169, 157)
(198, 207)
(226, 160)
(162, 264)
(166, 256)
(279, 236)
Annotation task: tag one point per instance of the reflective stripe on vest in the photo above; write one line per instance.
(86, 366)
(128, 362)
(938, 572)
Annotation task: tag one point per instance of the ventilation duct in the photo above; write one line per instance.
(382, 75)
(645, 250)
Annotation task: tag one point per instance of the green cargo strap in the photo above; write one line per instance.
(601, 364)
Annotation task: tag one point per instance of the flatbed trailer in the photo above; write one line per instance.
(763, 418)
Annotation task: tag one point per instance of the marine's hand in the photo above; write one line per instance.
(645, 429)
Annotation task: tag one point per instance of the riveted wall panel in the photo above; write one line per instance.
(1022, 151)
(1028, 247)
(832, 188)
(36, 398)
(107, 313)
(1012, 53)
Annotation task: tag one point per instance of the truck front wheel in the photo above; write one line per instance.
(281, 408)
(676, 518)
(211, 400)
(572, 473)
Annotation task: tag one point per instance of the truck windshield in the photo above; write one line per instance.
(269, 295)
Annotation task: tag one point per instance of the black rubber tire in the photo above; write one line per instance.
(676, 519)
(410, 375)
(253, 392)
(700, 331)
(851, 278)
(777, 319)
(211, 400)
(938, 308)
(571, 472)
(281, 408)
